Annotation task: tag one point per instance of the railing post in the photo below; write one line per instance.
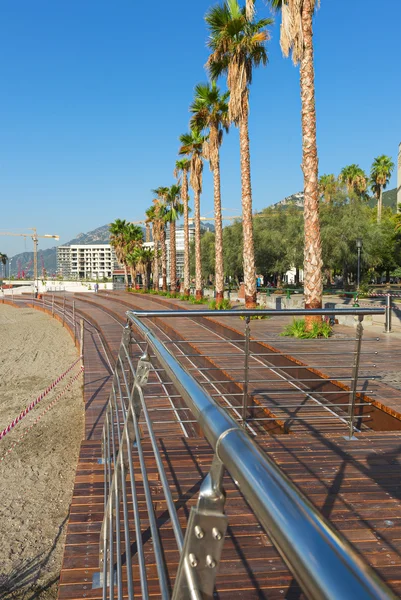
(204, 539)
(73, 321)
(387, 326)
(52, 305)
(81, 342)
(355, 372)
(245, 397)
(63, 311)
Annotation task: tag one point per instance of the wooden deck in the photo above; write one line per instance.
(356, 485)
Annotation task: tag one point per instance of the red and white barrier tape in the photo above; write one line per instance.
(67, 387)
(38, 399)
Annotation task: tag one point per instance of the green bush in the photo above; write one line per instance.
(184, 297)
(297, 329)
(256, 317)
(224, 304)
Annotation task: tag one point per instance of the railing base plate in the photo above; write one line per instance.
(97, 580)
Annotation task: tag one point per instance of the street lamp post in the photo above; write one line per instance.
(359, 247)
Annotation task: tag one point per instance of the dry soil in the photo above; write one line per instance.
(36, 477)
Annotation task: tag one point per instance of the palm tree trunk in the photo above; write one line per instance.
(145, 277)
(313, 281)
(219, 264)
(173, 252)
(147, 232)
(164, 258)
(247, 224)
(184, 195)
(126, 276)
(198, 259)
(156, 260)
(380, 205)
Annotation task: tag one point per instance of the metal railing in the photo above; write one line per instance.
(321, 560)
(291, 389)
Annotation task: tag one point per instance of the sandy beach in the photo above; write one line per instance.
(36, 476)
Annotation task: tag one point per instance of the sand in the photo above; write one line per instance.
(36, 477)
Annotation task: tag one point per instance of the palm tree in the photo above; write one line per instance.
(133, 237)
(237, 43)
(131, 259)
(161, 193)
(380, 176)
(3, 260)
(328, 187)
(142, 258)
(210, 112)
(151, 217)
(117, 240)
(192, 146)
(183, 166)
(355, 179)
(296, 36)
(174, 209)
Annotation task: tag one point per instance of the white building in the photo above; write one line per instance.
(86, 261)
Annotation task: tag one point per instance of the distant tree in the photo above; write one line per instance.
(160, 212)
(3, 260)
(380, 174)
(182, 168)
(328, 186)
(192, 146)
(174, 210)
(118, 231)
(210, 112)
(355, 179)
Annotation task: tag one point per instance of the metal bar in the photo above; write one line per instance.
(160, 565)
(250, 313)
(387, 326)
(286, 393)
(297, 529)
(355, 370)
(245, 397)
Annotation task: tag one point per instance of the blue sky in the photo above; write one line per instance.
(95, 94)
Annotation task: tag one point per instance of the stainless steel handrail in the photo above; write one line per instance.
(323, 562)
(245, 312)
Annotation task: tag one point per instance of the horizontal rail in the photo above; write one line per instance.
(292, 312)
(323, 562)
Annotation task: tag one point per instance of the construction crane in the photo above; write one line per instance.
(35, 237)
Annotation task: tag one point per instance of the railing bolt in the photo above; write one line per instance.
(199, 532)
(210, 561)
(192, 560)
(216, 533)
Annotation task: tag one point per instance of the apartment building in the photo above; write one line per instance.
(86, 261)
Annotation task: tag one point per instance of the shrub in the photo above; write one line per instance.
(224, 304)
(256, 317)
(297, 329)
(184, 297)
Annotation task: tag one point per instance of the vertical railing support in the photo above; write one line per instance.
(52, 305)
(73, 321)
(355, 373)
(245, 397)
(204, 539)
(81, 342)
(63, 311)
(387, 326)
